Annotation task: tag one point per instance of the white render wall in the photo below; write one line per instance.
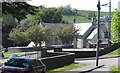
(79, 43)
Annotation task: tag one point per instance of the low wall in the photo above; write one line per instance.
(85, 54)
(26, 49)
(109, 49)
(23, 49)
(58, 61)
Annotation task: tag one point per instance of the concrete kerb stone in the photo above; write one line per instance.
(91, 69)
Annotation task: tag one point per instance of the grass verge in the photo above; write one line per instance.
(7, 54)
(65, 68)
(114, 69)
(116, 52)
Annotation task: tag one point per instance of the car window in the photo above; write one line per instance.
(18, 63)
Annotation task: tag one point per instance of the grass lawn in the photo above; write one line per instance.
(65, 68)
(116, 52)
(7, 54)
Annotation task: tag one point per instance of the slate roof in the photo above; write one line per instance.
(82, 27)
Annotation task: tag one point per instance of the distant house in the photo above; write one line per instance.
(88, 35)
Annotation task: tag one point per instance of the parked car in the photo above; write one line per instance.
(23, 65)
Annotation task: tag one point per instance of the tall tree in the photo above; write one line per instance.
(8, 22)
(29, 21)
(17, 36)
(50, 15)
(19, 10)
(37, 34)
(67, 34)
(67, 10)
(116, 26)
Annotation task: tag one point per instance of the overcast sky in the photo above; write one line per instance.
(78, 4)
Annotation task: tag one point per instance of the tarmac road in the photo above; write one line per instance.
(107, 62)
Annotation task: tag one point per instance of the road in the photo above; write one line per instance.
(108, 62)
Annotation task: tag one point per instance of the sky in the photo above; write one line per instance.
(78, 4)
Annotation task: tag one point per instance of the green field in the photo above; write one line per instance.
(79, 19)
(83, 16)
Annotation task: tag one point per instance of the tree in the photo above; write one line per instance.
(29, 21)
(8, 22)
(17, 36)
(116, 27)
(37, 34)
(18, 10)
(50, 15)
(67, 10)
(67, 34)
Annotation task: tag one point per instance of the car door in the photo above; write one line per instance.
(40, 66)
(33, 68)
(36, 66)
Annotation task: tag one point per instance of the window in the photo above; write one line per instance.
(17, 63)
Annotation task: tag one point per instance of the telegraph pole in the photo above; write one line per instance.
(109, 24)
(98, 42)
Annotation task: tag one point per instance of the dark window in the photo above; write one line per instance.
(18, 63)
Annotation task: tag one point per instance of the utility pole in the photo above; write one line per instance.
(109, 24)
(98, 41)
(75, 41)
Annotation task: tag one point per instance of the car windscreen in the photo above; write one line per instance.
(18, 63)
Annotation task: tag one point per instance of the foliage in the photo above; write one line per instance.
(19, 10)
(67, 10)
(8, 22)
(67, 34)
(37, 34)
(50, 15)
(116, 27)
(17, 36)
(29, 21)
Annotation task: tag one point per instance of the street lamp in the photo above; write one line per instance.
(98, 43)
(109, 28)
(109, 22)
(75, 41)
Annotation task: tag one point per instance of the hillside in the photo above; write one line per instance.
(82, 16)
